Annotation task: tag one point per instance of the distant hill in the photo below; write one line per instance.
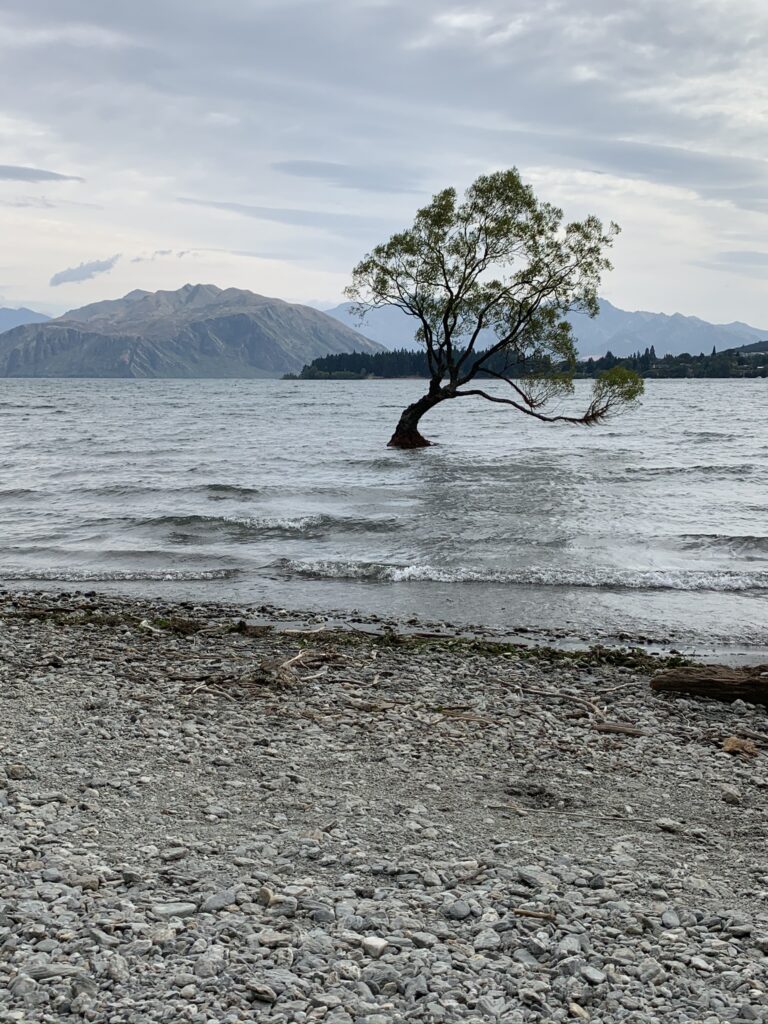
(197, 331)
(614, 330)
(10, 318)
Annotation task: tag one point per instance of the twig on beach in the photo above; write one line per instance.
(751, 734)
(305, 632)
(212, 688)
(544, 915)
(623, 728)
(564, 696)
(315, 675)
(621, 686)
(293, 661)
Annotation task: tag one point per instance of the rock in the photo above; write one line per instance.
(569, 945)
(669, 825)
(592, 975)
(272, 939)
(165, 911)
(374, 946)
(700, 964)
(459, 910)
(260, 992)
(487, 939)
(731, 795)
(218, 901)
(173, 853)
(22, 986)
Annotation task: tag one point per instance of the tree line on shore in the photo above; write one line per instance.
(409, 363)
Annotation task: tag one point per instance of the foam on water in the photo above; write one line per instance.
(601, 578)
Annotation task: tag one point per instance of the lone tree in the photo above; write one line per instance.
(501, 265)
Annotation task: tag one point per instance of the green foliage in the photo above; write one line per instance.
(616, 388)
(498, 260)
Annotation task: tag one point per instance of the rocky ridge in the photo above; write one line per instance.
(196, 331)
(205, 817)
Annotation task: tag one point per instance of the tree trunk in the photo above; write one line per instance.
(406, 433)
(717, 682)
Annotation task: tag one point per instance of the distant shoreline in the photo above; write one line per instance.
(748, 361)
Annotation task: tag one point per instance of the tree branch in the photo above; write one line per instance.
(591, 416)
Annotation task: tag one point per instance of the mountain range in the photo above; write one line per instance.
(10, 318)
(205, 331)
(197, 331)
(615, 330)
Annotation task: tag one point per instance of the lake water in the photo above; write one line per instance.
(284, 492)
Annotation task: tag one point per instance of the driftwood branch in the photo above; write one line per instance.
(718, 682)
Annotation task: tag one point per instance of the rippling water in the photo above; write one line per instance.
(284, 492)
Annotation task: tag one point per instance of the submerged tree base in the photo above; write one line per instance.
(408, 439)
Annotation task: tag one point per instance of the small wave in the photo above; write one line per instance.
(705, 469)
(223, 492)
(314, 525)
(17, 492)
(27, 408)
(736, 544)
(109, 576)
(702, 436)
(606, 579)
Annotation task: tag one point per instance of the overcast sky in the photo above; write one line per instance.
(267, 144)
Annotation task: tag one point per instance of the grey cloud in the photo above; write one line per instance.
(83, 272)
(157, 254)
(317, 219)
(255, 254)
(744, 258)
(29, 202)
(744, 263)
(376, 178)
(44, 203)
(181, 254)
(697, 170)
(9, 172)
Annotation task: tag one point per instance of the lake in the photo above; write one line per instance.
(655, 524)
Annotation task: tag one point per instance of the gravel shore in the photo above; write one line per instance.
(207, 817)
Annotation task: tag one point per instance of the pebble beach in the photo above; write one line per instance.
(210, 815)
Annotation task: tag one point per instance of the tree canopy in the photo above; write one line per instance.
(498, 262)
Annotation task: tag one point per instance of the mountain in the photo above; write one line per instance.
(614, 330)
(624, 333)
(197, 331)
(10, 318)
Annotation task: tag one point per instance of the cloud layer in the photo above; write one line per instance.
(308, 130)
(10, 173)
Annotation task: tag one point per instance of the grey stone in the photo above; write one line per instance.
(374, 945)
(459, 910)
(166, 911)
(487, 939)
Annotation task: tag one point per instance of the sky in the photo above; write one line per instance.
(268, 144)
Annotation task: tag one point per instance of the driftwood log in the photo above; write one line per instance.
(716, 681)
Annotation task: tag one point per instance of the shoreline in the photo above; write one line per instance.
(705, 650)
(211, 815)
